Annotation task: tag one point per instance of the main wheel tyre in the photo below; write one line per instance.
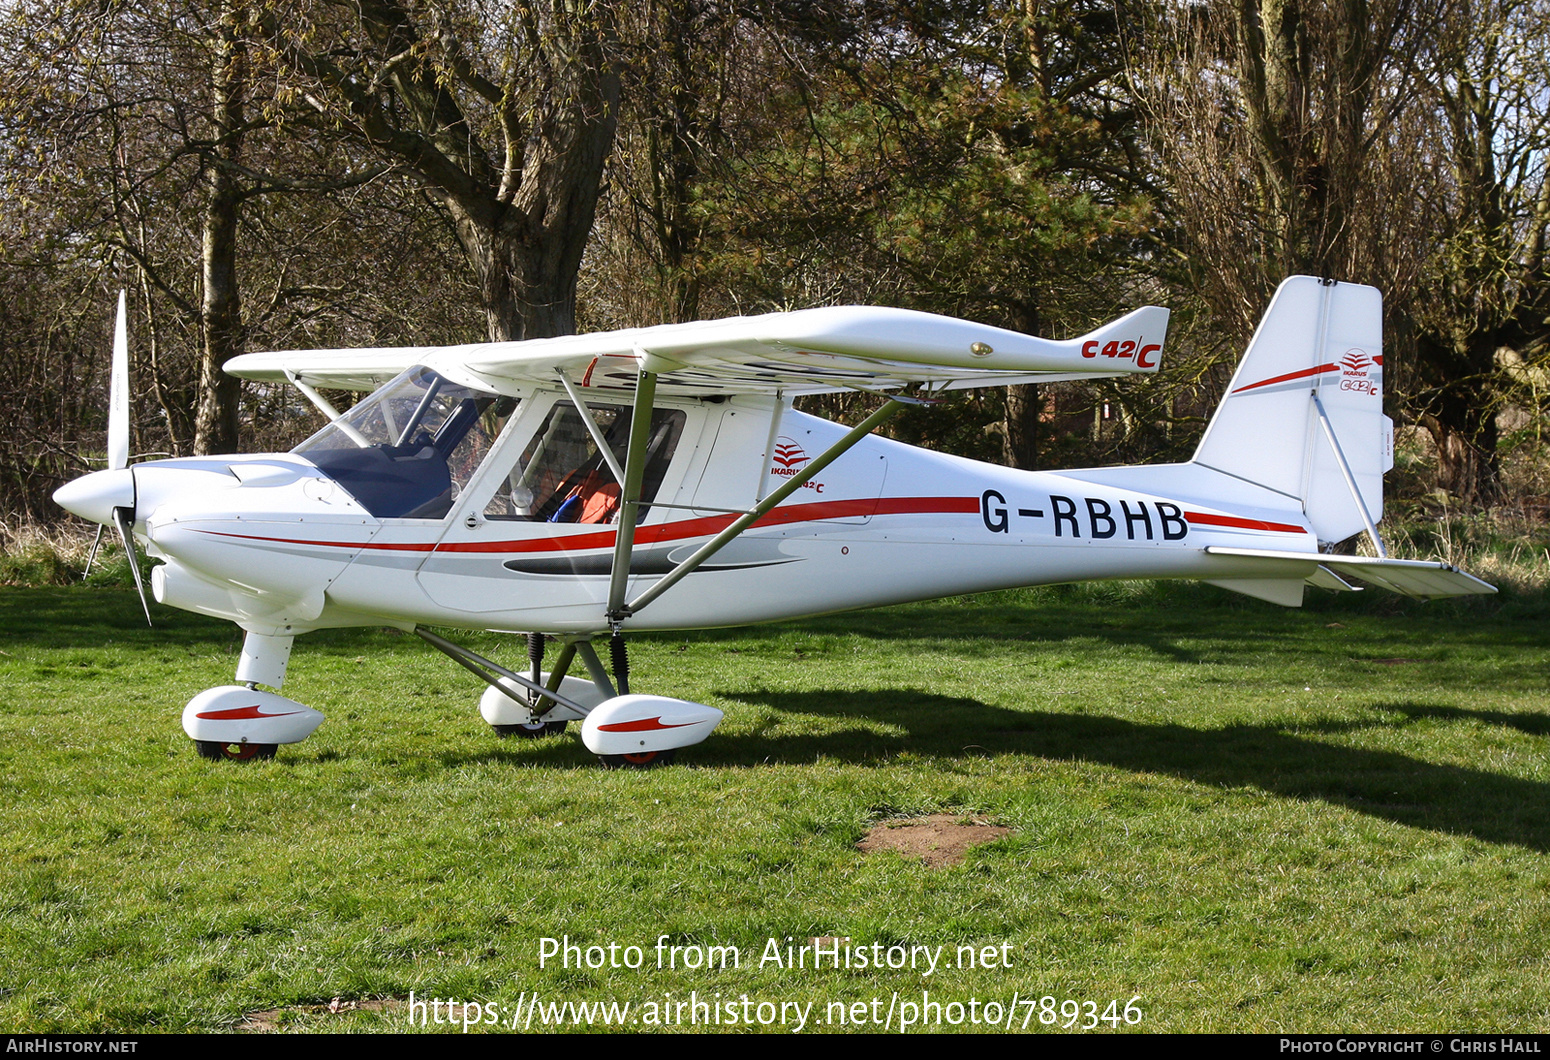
(234, 752)
(644, 760)
(530, 730)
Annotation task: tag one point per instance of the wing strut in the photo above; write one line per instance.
(326, 407)
(592, 428)
(769, 445)
(715, 544)
(629, 499)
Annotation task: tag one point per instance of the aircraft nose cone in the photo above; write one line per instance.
(94, 496)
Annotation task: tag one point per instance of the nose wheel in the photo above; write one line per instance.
(644, 760)
(238, 723)
(234, 752)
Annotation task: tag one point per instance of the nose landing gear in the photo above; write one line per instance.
(234, 752)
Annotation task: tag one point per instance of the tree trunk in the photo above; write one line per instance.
(1021, 438)
(1459, 418)
(1467, 467)
(1020, 427)
(527, 254)
(216, 421)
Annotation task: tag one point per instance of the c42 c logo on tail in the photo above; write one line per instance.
(788, 459)
(1356, 371)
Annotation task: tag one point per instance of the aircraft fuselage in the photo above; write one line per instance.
(278, 545)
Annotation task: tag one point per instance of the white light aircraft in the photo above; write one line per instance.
(585, 487)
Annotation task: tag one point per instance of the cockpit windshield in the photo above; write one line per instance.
(407, 451)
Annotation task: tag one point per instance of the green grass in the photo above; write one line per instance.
(1334, 819)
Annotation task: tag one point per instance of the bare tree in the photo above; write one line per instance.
(1400, 143)
(1272, 120)
(505, 112)
(1487, 292)
(153, 147)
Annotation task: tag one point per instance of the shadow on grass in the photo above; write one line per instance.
(80, 617)
(1183, 622)
(1528, 724)
(1384, 784)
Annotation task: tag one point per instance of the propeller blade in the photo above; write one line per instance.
(118, 395)
(121, 519)
(96, 542)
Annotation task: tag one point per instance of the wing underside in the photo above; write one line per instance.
(813, 351)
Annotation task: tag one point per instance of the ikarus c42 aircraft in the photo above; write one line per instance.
(582, 488)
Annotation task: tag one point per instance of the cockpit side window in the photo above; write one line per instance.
(562, 476)
(407, 451)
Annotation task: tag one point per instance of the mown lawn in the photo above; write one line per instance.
(1334, 819)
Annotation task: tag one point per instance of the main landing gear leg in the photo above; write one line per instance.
(515, 704)
(624, 731)
(538, 706)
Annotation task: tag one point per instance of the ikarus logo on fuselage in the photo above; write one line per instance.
(788, 459)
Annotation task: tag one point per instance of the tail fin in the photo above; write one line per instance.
(1304, 413)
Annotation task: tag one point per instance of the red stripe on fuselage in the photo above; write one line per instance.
(405, 546)
(675, 531)
(705, 526)
(1242, 524)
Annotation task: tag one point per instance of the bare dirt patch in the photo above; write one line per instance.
(938, 840)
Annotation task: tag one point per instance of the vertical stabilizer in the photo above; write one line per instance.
(1304, 413)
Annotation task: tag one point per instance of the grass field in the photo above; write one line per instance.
(1334, 819)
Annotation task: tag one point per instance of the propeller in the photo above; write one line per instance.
(118, 394)
(118, 452)
(124, 519)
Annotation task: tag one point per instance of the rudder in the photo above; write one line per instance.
(1320, 344)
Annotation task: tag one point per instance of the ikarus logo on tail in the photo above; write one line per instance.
(1355, 372)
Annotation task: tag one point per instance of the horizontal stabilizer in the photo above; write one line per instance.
(1421, 579)
(1324, 578)
(1284, 591)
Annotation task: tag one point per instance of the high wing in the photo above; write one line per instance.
(813, 351)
